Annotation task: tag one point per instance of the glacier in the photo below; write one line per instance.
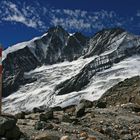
(60, 69)
(41, 92)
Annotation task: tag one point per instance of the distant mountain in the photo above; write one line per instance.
(60, 68)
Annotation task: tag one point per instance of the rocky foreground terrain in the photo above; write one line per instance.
(115, 116)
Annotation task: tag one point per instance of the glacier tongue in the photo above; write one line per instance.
(41, 92)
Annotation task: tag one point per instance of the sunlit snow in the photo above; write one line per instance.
(41, 92)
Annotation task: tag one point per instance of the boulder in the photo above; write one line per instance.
(83, 134)
(87, 103)
(80, 110)
(57, 108)
(43, 125)
(127, 137)
(40, 125)
(66, 118)
(92, 114)
(37, 110)
(101, 104)
(31, 116)
(20, 115)
(46, 116)
(110, 131)
(70, 109)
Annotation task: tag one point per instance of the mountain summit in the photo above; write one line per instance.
(60, 68)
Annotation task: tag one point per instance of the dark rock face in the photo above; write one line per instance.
(63, 46)
(14, 66)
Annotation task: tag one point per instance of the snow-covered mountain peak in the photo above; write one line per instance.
(60, 69)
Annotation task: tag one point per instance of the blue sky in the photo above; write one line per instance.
(24, 19)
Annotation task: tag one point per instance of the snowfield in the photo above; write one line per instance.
(41, 92)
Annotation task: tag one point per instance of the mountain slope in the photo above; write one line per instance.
(124, 92)
(86, 67)
(53, 47)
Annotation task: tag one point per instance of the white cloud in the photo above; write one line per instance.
(84, 20)
(42, 17)
(25, 15)
(70, 23)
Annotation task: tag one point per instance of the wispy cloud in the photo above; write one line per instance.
(138, 13)
(41, 18)
(26, 15)
(83, 20)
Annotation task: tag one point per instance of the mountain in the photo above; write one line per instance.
(60, 69)
(53, 47)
